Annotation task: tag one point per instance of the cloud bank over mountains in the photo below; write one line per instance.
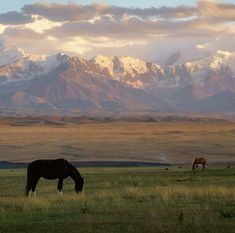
(147, 33)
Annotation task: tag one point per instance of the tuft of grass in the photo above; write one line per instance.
(227, 212)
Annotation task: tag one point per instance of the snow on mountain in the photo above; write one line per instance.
(131, 71)
(17, 65)
(203, 59)
(215, 61)
(10, 54)
(199, 71)
(104, 63)
(131, 65)
(49, 63)
(122, 65)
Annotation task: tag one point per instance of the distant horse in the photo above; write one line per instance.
(198, 161)
(52, 169)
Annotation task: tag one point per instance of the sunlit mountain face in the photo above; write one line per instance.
(100, 58)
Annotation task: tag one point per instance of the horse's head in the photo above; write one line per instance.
(79, 185)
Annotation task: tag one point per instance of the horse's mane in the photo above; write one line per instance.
(74, 172)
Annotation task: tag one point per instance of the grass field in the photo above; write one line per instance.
(168, 142)
(123, 200)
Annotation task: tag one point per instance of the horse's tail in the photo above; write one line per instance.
(28, 186)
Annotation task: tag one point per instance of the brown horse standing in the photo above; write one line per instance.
(198, 161)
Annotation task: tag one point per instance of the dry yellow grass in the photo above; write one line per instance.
(154, 141)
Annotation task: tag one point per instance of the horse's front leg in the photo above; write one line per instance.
(203, 166)
(60, 186)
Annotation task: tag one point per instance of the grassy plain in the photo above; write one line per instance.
(169, 142)
(121, 199)
(150, 200)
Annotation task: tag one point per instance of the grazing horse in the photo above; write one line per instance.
(52, 169)
(198, 161)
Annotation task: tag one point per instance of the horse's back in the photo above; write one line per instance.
(200, 160)
(47, 168)
(42, 162)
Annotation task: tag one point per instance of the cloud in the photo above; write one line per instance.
(134, 28)
(70, 20)
(77, 12)
(105, 26)
(29, 40)
(15, 18)
(216, 11)
(207, 18)
(22, 34)
(41, 24)
(90, 29)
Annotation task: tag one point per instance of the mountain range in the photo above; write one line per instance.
(70, 85)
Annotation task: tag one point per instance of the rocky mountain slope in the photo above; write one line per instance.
(115, 84)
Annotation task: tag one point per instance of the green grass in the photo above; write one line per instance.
(123, 200)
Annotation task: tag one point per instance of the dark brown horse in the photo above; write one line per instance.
(198, 161)
(52, 169)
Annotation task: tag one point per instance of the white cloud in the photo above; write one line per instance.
(76, 45)
(41, 24)
(2, 28)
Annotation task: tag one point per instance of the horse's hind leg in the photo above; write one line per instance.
(34, 184)
(60, 185)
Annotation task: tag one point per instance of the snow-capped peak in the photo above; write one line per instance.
(213, 62)
(104, 62)
(133, 65)
(117, 65)
(10, 54)
(18, 65)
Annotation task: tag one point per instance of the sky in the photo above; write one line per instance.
(149, 30)
(17, 4)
